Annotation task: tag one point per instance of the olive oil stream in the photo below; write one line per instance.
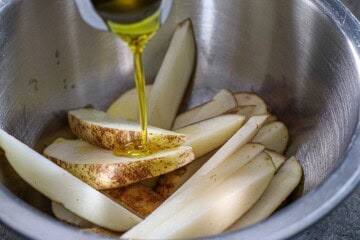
(145, 23)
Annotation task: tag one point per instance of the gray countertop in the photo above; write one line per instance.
(342, 223)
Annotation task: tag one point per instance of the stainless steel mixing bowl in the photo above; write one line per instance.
(302, 56)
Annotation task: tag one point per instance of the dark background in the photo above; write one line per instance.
(342, 223)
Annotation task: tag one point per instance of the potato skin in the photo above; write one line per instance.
(115, 175)
(109, 138)
(137, 198)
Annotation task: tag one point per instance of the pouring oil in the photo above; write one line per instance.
(136, 22)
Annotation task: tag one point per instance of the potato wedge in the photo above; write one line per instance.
(168, 183)
(245, 110)
(220, 104)
(75, 195)
(275, 136)
(272, 118)
(61, 213)
(283, 183)
(137, 198)
(101, 169)
(204, 137)
(203, 180)
(202, 217)
(235, 148)
(127, 105)
(244, 135)
(244, 99)
(210, 134)
(99, 129)
(173, 77)
(277, 158)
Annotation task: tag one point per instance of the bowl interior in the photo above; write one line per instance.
(287, 51)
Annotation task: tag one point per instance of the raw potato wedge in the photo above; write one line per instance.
(283, 183)
(99, 129)
(272, 118)
(75, 195)
(61, 213)
(203, 137)
(244, 99)
(275, 136)
(216, 209)
(277, 158)
(101, 169)
(201, 181)
(210, 134)
(245, 110)
(170, 182)
(137, 198)
(173, 77)
(220, 104)
(127, 105)
(244, 135)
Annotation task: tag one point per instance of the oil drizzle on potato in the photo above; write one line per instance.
(136, 35)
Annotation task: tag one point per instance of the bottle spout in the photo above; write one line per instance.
(117, 12)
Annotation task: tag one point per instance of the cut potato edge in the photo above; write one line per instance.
(169, 86)
(78, 197)
(208, 135)
(275, 136)
(170, 182)
(281, 186)
(221, 103)
(101, 169)
(228, 204)
(97, 128)
(244, 98)
(187, 192)
(61, 213)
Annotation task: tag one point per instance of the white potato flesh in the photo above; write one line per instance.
(127, 105)
(246, 110)
(244, 99)
(101, 169)
(281, 186)
(277, 158)
(275, 136)
(168, 183)
(173, 77)
(272, 118)
(213, 211)
(210, 134)
(61, 213)
(97, 128)
(75, 195)
(244, 135)
(235, 145)
(220, 104)
(201, 181)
